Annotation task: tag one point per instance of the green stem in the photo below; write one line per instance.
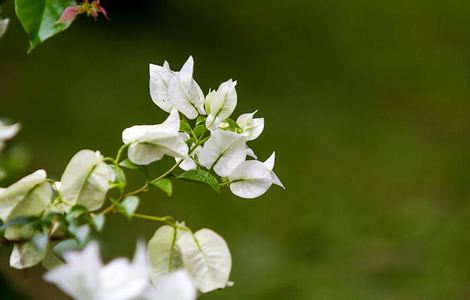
(119, 154)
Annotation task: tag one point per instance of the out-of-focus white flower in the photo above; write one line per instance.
(7, 131)
(3, 26)
(160, 77)
(84, 277)
(254, 127)
(149, 143)
(253, 178)
(223, 152)
(175, 286)
(184, 93)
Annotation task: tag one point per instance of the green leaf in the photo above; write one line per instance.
(21, 221)
(200, 120)
(199, 131)
(75, 212)
(51, 260)
(201, 176)
(81, 233)
(98, 221)
(38, 18)
(129, 165)
(66, 246)
(165, 185)
(40, 241)
(163, 252)
(129, 205)
(184, 126)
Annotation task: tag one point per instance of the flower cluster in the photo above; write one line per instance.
(44, 218)
(216, 143)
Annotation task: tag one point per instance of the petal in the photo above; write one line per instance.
(160, 77)
(224, 101)
(251, 179)
(207, 258)
(185, 94)
(175, 286)
(144, 154)
(79, 277)
(69, 14)
(3, 26)
(134, 133)
(8, 131)
(254, 127)
(152, 133)
(223, 152)
(86, 180)
(276, 180)
(12, 196)
(163, 252)
(270, 161)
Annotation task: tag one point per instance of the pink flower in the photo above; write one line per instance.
(69, 14)
(92, 9)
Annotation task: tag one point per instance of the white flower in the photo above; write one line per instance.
(223, 151)
(175, 286)
(160, 77)
(86, 180)
(7, 131)
(220, 104)
(84, 277)
(184, 93)
(189, 163)
(253, 178)
(3, 26)
(150, 143)
(29, 196)
(254, 127)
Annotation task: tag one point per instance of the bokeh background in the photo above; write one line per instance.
(366, 104)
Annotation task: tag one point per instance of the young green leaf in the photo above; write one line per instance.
(184, 125)
(163, 252)
(51, 260)
(66, 246)
(129, 165)
(207, 257)
(199, 131)
(201, 176)
(40, 241)
(81, 233)
(98, 222)
(165, 185)
(200, 120)
(38, 18)
(129, 205)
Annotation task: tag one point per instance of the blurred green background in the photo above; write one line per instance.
(366, 104)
